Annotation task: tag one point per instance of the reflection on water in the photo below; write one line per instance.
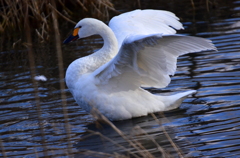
(206, 125)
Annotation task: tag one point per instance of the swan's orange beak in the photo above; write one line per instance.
(72, 37)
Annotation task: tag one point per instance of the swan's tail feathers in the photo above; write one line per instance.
(174, 101)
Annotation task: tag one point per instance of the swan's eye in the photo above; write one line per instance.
(75, 31)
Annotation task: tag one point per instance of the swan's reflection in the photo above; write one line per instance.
(147, 133)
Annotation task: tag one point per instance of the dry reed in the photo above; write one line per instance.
(61, 75)
(13, 13)
(2, 149)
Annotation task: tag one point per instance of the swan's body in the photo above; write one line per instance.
(140, 50)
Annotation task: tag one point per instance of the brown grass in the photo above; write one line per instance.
(13, 13)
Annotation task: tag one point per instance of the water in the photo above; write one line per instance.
(206, 125)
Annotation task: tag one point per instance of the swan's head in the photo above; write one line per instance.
(85, 28)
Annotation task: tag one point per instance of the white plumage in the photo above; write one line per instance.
(140, 50)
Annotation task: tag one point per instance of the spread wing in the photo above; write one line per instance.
(148, 50)
(148, 60)
(144, 22)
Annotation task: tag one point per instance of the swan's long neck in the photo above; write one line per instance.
(90, 63)
(110, 47)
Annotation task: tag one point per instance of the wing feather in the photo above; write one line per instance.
(144, 22)
(149, 59)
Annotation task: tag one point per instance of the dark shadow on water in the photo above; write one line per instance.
(145, 131)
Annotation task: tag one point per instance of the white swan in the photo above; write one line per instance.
(140, 50)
